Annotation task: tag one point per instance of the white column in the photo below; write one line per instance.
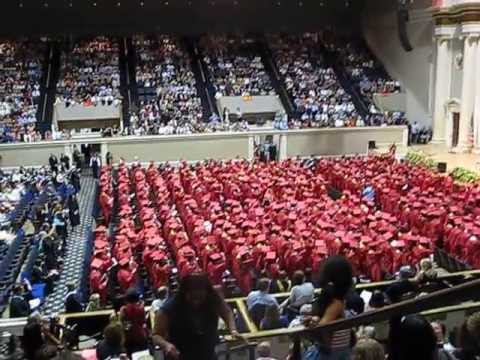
(282, 155)
(468, 92)
(103, 152)
(476, 108)
(443, 74)
(251, 147)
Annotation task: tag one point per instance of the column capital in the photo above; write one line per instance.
(471, 30)
(445, 32)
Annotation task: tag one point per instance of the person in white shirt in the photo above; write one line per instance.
(302, 292)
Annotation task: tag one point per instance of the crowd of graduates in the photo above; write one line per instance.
(239, 221)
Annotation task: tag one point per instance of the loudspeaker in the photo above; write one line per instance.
(402, 19)
(442, 167)
(372, 145)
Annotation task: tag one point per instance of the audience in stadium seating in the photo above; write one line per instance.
(169, 103)
(362, 67)
(20, 74)
(89, 74)
(318, 97)
(50, 197)
(236, 69)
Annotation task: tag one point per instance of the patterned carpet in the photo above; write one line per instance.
(76, 247)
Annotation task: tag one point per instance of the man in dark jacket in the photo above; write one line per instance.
(72, 303)
(19, 307)
(73, 211)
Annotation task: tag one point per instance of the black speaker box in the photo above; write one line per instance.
(442, 167)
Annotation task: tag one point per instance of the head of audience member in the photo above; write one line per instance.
(469, 338)
(440, 330)
(354, 302)
(197, 292)
(368, 349)
(377, 300)
(298, 278)
(114, 335)
(427, 272)
(264, 350)
(405, 273)
(162, 293)
(416, 339)
(132, 296)
(336, 276)
(263, 285)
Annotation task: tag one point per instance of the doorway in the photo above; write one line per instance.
(455, 128)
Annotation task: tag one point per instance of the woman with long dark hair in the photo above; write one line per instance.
(186, 326)
(335, 280)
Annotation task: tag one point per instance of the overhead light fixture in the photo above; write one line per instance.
(118, 4)
(142, 3)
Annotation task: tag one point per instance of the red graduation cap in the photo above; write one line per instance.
(271, 255)
(398, 243)
(159, 256)
(100, 228)
(96, 264)
(124, 262)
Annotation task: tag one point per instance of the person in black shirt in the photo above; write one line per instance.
(72, 303)
(19, 306)
(73, 211)
(186, 326)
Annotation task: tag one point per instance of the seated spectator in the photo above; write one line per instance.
(272, 319)
(161, 296)
(302, 292)
(261, 296)
(354, 303)
(72, 301)
(264, 351)
(427, 273)
(412, 337)
(304, 313)
(235, 68)
(19, 306)
(368, 349)
(469, 339)
(401, 287)
(93, 303)
(377, 301)
(113, 344)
